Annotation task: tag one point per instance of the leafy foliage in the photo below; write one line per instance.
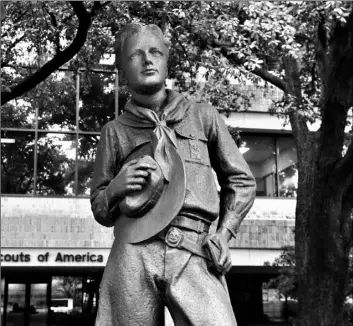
(286, 281)
(230, 41)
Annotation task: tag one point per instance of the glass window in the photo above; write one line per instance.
(287, 167)
(16, 304)
(86, 156)
(259, 152)
(17, 162)
(38, 304)
(97, 100)
(56, 164)
(56, 101)
(50, 111)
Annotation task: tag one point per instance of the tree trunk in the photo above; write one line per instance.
(323, 227)
(323, 232)
(322, 260)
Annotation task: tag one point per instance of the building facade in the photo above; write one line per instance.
(53, 252)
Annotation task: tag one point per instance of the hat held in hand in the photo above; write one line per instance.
(146, 212)
(138, 203)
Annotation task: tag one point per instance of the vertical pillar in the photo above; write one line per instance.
(35, 162)
(77, 128)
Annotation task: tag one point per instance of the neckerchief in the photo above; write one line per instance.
(174, 111)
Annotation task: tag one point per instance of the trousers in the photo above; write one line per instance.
(141, 279)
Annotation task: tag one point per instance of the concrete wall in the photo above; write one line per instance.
(68, 223)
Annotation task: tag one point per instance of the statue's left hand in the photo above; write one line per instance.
(217, 246)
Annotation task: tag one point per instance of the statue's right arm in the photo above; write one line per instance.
(104, 203)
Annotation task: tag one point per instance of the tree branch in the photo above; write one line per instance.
(261, 72)
(97, 6)
(59, 59)
(321, 58)
(5, 63)
(14, 21)
(289, 86)
(55, 24)
(339, 96)
(298, 122)
(235, 60)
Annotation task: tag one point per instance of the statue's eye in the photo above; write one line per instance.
(156, 52)
(134, 55)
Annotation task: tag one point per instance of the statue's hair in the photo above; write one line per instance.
(132, 29)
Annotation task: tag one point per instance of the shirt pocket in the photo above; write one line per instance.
(133, 149)
(193, 146)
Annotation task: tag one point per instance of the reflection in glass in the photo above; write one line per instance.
(97, 100)
(66, 300)
(287, 167)
(86, 157)
(260, 154)
(38, 304)
(56, 101)
(18, 113)
(16, 304)
(56, 164)
(17, 162)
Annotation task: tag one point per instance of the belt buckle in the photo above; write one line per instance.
(174, 237)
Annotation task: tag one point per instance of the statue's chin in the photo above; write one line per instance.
(149, 89)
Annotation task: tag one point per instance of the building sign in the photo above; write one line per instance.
(91, 257)
(22, 257)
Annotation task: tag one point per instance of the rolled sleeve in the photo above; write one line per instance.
(103, 203)
(238, 186)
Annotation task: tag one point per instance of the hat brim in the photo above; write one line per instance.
(133, 230)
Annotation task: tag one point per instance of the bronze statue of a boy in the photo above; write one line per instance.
(166, 146)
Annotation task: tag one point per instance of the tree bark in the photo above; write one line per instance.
(322, 258)
(325, 198)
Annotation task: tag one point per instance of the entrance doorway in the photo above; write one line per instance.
(49, 298)
(26, 302)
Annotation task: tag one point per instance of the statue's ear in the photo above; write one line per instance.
(122, 78)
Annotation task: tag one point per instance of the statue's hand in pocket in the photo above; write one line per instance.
(218, 249)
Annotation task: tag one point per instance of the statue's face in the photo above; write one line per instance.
(144, 63)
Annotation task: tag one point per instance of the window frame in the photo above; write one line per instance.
(77, 132)
(275, 136)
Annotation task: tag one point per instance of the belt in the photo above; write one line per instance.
(198, 226)
(175, 238)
